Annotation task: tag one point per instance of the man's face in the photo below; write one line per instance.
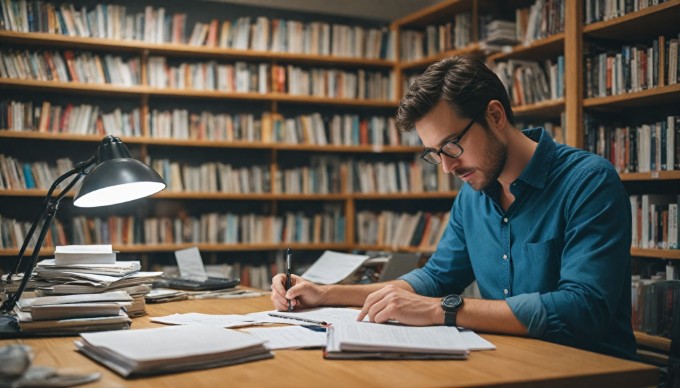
(484, 155)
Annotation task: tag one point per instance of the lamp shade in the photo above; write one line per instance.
(116, 178)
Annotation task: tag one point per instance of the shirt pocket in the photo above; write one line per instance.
(541, 271)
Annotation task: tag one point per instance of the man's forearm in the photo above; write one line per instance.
(355, 294)
(490, 316)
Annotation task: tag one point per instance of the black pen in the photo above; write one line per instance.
(289, 255)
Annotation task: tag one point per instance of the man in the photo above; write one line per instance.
(544, 228)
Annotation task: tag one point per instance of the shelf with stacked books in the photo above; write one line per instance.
(552, 46)
(420, 64)
(182, 49)
(145, 91)
(630, 80)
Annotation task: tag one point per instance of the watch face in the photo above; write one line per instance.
(452, 302)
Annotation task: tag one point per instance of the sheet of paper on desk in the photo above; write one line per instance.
(289, 337)
(229, 320)
(474, 342)
(327, 315)
(333, 267)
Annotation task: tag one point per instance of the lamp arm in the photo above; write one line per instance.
(50, 206)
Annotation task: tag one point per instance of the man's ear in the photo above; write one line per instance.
(495, 115)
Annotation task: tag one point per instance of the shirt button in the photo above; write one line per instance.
(505, 257)
(505, 291)
(505, 220)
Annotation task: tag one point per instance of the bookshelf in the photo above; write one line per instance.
(280, 156)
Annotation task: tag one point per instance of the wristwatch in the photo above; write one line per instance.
(451, 304)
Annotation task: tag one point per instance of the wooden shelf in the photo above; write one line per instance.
(650, 176)
(653, 341)
(261, 196)
(670, 254)
(472, 49)
(650, 97)
(181, 49)
(544, 109)
(635, 26)
(390, 248)
(214, 143)
(547, 48)
(402, 196)
(433, 14)
(145, 91)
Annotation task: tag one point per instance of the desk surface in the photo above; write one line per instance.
(516, 361)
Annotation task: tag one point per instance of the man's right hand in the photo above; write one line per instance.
(302, 294)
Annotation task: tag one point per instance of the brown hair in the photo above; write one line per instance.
(465, 83)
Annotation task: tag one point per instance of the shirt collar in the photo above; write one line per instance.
(536, 172)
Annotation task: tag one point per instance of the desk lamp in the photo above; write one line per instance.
(115, 177)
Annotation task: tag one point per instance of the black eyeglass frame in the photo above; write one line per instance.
(440, 151)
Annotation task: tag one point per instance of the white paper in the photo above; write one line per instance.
(169, 342)
(289, 337)
(328, 315)
(229, 320)
(190, 264)
(333, 267)
(104, 248)
(474, 341)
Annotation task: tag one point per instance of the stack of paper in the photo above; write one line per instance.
(54, 279)
(84, 254)
(352, 340)
(73, 313)
(171, 349)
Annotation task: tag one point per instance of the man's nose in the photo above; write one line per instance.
(448, 163)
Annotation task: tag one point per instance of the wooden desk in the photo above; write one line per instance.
(516, 361)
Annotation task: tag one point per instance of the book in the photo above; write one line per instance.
(358, 340)
(68, 311)
(84, 254)
(171, 349)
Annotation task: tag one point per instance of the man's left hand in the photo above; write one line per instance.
(393, 303)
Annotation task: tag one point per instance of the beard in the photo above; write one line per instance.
(495, 157)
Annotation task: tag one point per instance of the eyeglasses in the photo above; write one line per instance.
(450, 148)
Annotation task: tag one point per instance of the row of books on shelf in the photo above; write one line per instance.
(81, 119)
(393, 229)
(414, 176)
(240, 77)
(631, 68)
(313, 128)
(83, 67)
(37, 175)
(213, 177)
(265, 78)
(656, 305)
(415, 45)
(655, 221)
(541, 20)
(529, 82)
(155, 25)
(602, 10)
(643, 148)
(212, 228)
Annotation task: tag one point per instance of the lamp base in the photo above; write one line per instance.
(9, 327)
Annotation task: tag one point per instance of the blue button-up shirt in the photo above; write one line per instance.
(559, 256)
